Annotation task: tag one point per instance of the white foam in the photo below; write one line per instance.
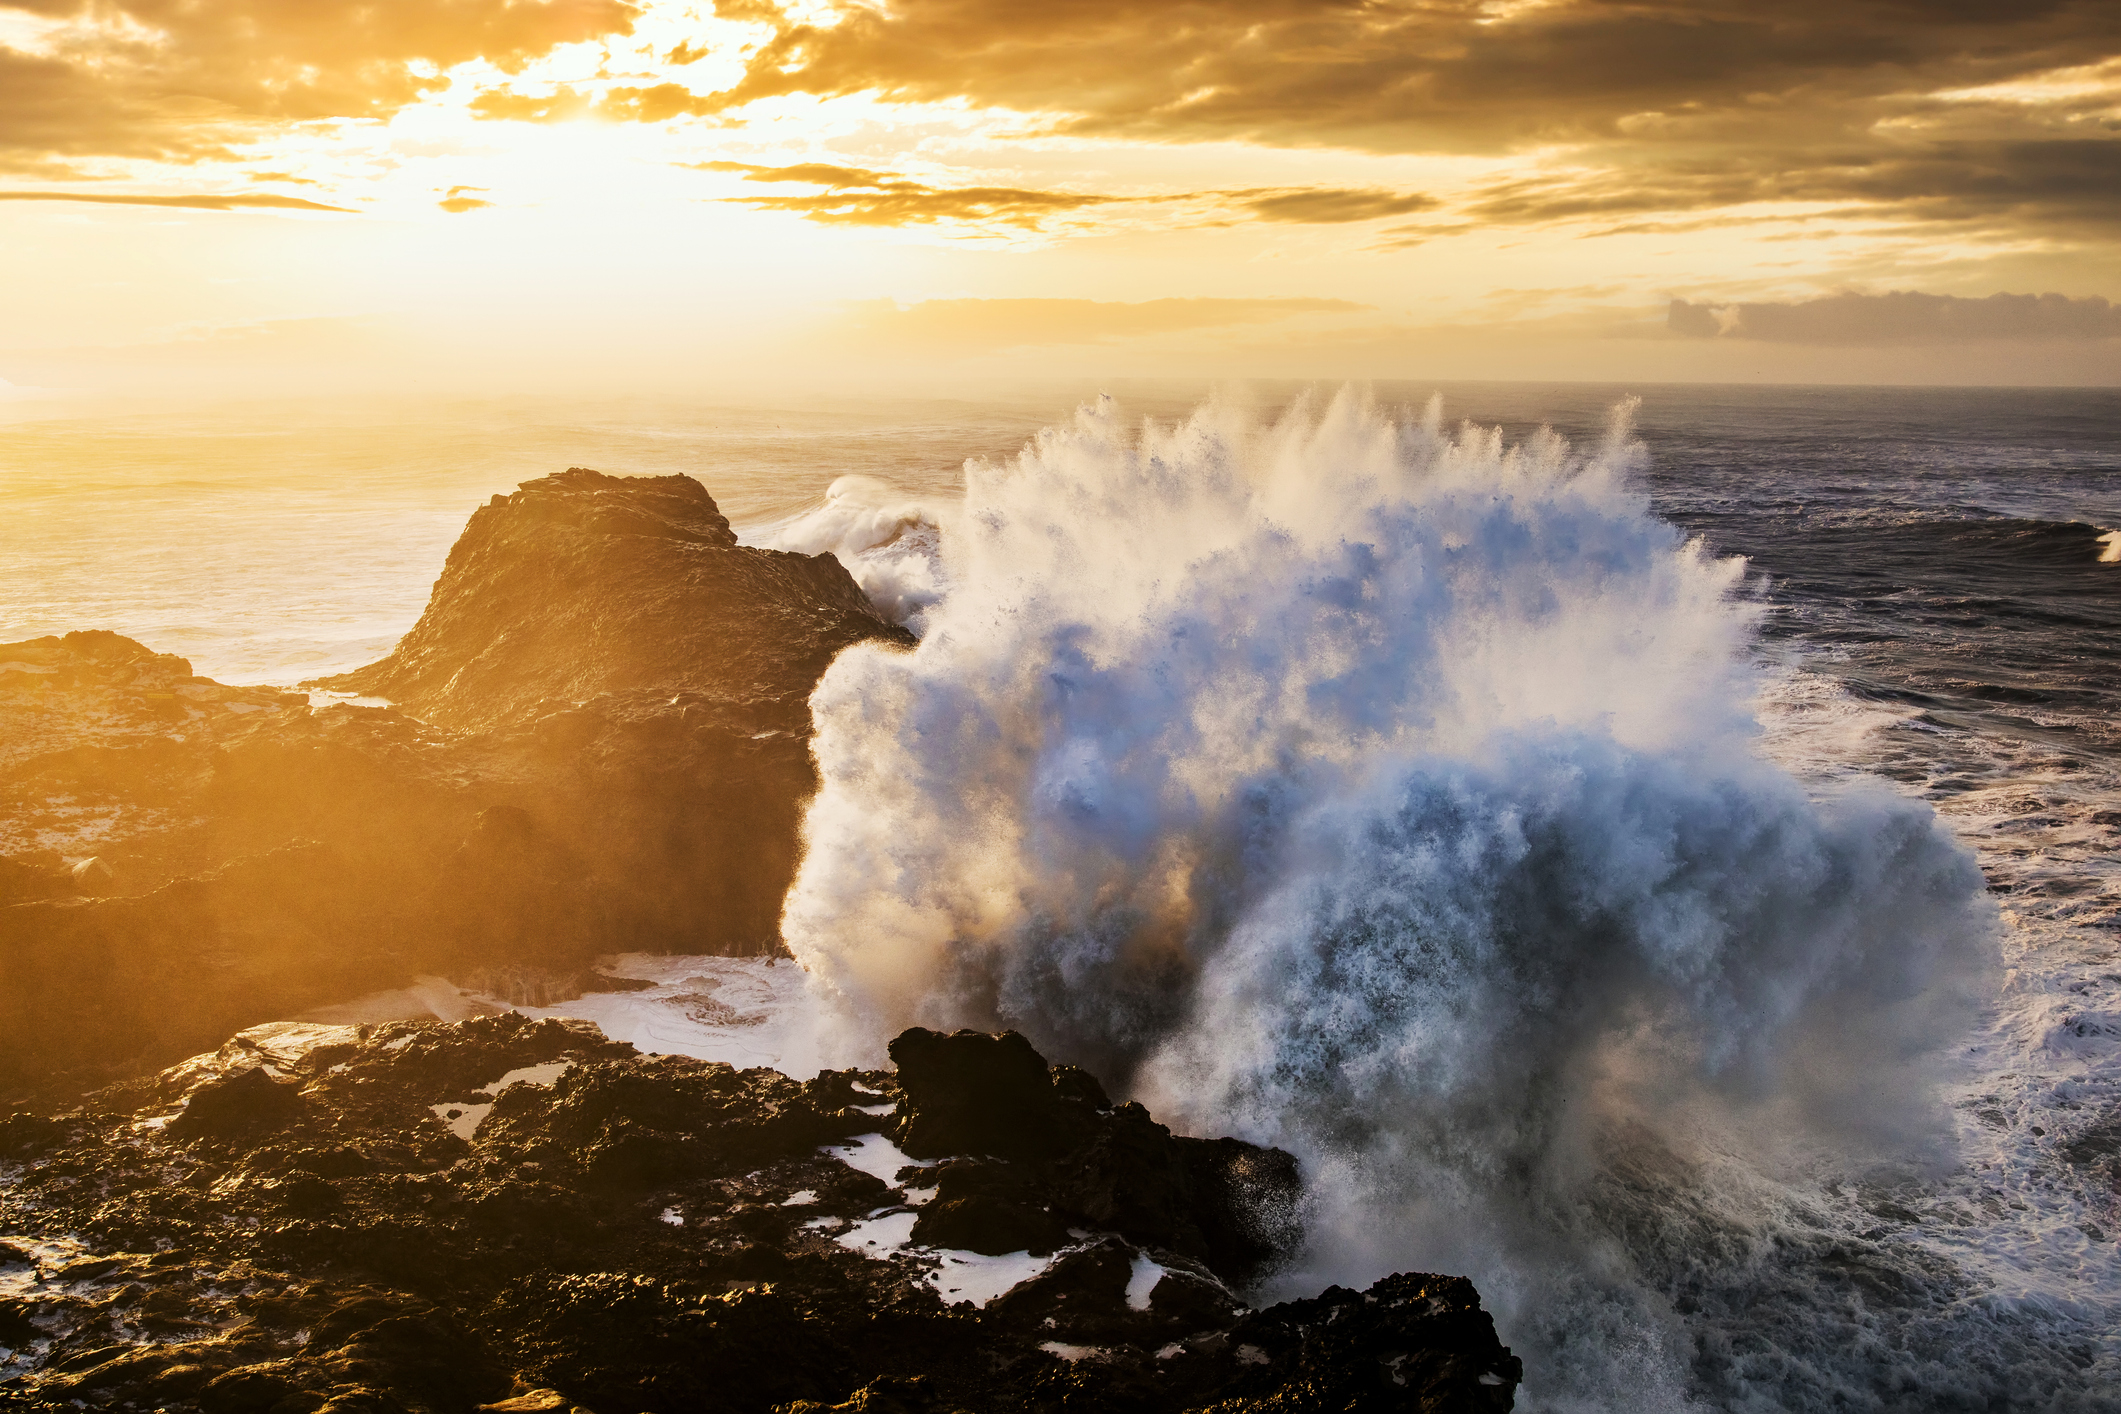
(879, 1236)
(876, 1156)
(464, 1120)
(429, 998)
(744, 1011)
(1142, 1280)
(890, 542)
(979, 1278)
(955, 1274)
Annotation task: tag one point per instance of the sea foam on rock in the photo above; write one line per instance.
(599, 744)
(293, 1224)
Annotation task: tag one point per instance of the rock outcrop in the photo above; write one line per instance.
(600, 743)
(585, 586)
(511, 1215)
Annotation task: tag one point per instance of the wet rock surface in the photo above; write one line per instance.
(517, 1215)
(600, 744)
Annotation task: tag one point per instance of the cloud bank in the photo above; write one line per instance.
(178, 79)
(974, 325)
(1900, 317)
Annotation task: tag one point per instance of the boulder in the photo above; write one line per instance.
(1111, 1167)
(241, 1103)
(972, 1093)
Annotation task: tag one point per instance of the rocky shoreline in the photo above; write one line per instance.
(596, 742)
(507, 1214)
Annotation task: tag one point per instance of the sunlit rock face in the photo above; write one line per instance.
(518, 1215)
(600, 742)
(584, 586)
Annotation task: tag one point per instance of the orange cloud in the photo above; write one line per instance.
(855, 196)
(1333, 206)
(1667, 104)
(863, 196)
(178, 78)
(231, 201)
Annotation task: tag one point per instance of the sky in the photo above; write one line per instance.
(555, 195)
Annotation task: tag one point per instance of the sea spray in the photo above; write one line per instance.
(889, 541)
(1394, 795)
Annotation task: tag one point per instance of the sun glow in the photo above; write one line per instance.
(612, 174)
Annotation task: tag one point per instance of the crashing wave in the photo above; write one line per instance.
(890, 542)
(1389, 793)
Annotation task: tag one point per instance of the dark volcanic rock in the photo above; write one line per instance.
(241, 1102)
(1224, 1202)
(297, 1224)
(610, 754)
(582, 585)
(971, 1093)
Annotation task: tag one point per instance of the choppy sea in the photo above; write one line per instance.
(1720, 961)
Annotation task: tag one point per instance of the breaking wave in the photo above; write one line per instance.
(889, 541)
(1395, 795)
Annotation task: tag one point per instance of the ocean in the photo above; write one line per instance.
(1664, 869)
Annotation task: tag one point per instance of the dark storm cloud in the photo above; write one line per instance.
(1901, 317)
(235, 201)
(1404, 75)
(1676, 104)
(1332, 206)
(182, 78)
(2074, 182)
(1662, 105)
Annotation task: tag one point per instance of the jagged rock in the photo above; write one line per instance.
(1411, 1341)
(245, 1101)
(990, 1209)
(1082, 1297)
(602, 745)
(972, 1093)
(1228, 1203)
(916, 1394)
(646, 1234)
(581, 585)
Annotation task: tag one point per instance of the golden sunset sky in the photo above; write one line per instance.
(515, 195)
